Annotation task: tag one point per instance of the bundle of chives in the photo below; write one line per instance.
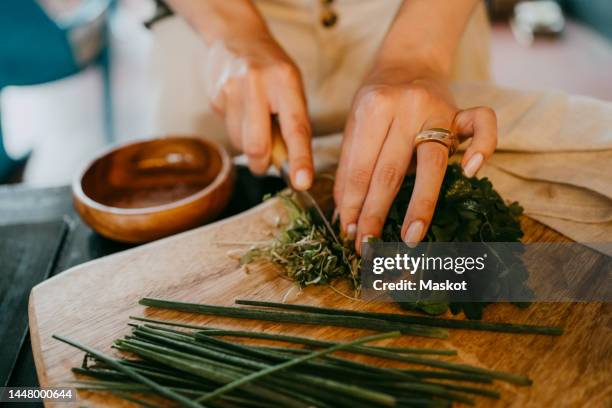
(201, 367)
(335, 320)
(157, 354)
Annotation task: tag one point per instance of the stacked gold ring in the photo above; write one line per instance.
(438, 135)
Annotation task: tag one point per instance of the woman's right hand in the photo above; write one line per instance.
(250, 78)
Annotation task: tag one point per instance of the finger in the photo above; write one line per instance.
(387, 178)
(233, 119)
(373, 119)
(345, 152)
(345, 149)
(256, 125)
(480, 124)
(432, 159)
(295, 127)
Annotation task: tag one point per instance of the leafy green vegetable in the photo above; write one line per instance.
(468, 210)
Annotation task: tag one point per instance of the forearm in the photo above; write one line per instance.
(221, 19)
(425, 35)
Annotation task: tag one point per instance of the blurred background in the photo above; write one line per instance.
(74, 73)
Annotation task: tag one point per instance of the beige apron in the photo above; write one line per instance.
(333, 61)
(554, 151)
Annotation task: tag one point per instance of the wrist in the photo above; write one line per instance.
(414, 75)
(413, 63)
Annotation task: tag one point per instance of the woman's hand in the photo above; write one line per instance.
(390, 109)
(250, 78)
(253, 80)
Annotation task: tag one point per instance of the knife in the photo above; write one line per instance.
(281, 162)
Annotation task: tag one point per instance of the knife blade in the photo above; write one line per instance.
(281, 162)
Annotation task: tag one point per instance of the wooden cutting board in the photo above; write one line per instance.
(91, 303)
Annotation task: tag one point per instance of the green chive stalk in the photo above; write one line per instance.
(319, 343)
(412, 319)
(290, 339)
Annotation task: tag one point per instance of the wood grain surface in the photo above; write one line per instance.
(91, 303)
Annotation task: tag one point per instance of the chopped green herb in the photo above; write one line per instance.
(306, 252)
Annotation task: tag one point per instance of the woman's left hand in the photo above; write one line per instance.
(388, 112)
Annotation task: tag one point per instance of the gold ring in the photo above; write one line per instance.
(438, 135)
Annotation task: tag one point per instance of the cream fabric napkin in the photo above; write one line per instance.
(590, 170)
(554, 156)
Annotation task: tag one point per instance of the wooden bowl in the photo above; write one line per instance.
(145, 190)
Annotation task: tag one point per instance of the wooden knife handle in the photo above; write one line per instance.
(279, 149)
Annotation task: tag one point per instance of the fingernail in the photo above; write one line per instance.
(302, 179)
(364, 240)
(472, 166)
(414, 233)
(351, 231)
